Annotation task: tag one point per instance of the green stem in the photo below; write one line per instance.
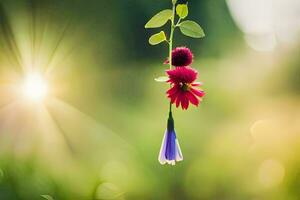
(171, 43)
(171, 37)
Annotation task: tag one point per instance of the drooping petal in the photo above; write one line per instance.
(162, 153)
(170, 151)
(173, 90)
(197, 92)
(184, 101)
(183, 88)
(192, 98)
(179, 156)
(173, 93)
(179, 99)
(173, 98)
(171, 145)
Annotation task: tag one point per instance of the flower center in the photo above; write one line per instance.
(185, 86)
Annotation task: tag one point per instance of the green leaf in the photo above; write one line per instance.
(174, 1)
(159, 19)
(157, 38)
(48, 197)
(161, 79)
(182, 10)
(191, 29)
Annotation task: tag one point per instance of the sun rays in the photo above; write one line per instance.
(32, 117)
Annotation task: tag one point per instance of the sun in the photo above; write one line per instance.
(34, 87)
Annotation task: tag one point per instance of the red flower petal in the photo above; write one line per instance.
(197, 92)
(179, 99)
(182, 75)
(184, 90)
(185, 102)
(192, 98)
(173, 90)
(172, 98)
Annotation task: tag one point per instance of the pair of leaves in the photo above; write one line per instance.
(157, 21)
(164, 16)
(188, 28)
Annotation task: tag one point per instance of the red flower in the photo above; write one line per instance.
(181, 57)
(184, 89)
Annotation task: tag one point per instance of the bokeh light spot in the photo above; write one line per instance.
(271, 173)
(108, 191)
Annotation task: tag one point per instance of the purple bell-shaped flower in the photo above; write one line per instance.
(170, 151)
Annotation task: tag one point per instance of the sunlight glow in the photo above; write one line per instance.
(35, 87)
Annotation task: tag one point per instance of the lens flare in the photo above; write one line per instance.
(35, 87)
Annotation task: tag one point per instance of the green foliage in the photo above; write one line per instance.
(159, 19)
(182, 10)
(161, 79)
(188, 27)
(191, 29)
(157, 38)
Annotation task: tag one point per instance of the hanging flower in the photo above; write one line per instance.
(181, 56)
(170, 151)
(184, 89)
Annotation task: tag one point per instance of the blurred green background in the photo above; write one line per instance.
(97, 134)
